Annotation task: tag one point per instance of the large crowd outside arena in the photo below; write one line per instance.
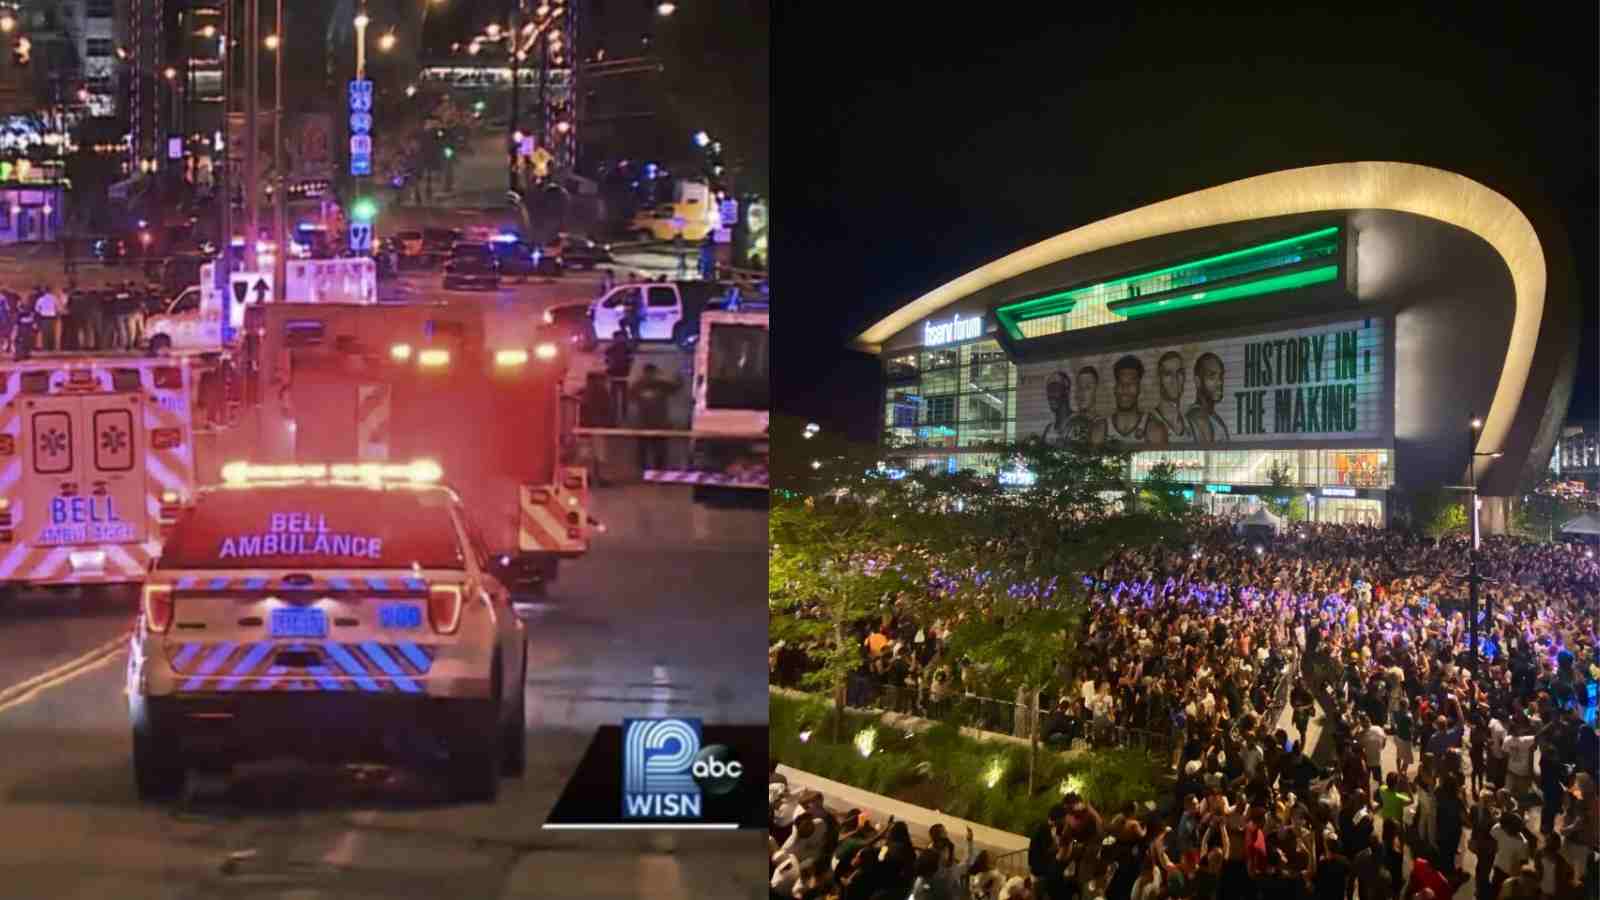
(1420, 779)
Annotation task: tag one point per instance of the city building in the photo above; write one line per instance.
(32, 200)
(1577, 455)
(1333, 328)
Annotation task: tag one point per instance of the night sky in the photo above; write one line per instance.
(919, 148)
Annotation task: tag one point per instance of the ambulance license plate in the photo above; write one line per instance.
(299, 623)
(400, 615)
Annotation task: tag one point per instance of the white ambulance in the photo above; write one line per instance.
(194, 320)
(97, 457)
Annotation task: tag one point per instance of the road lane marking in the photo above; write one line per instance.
(24, 691)
(642, 826)
(661, 694)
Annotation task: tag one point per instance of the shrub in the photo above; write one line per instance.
(958, 767)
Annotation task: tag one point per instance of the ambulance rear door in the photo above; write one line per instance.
(85, 480)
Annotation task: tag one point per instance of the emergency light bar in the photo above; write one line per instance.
(422, 471)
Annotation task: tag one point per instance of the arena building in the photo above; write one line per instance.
(1336, 328)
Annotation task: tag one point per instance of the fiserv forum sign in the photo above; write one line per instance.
(956, 329)
(1325, 382)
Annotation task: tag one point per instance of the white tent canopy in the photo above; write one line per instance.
(1261, 518)
(1588, 523)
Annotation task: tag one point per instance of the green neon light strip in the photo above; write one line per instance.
(1320, 243)
(1319, 275)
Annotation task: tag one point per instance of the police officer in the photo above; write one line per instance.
(619, 365)
(27, 324)
(632, 315)
(652, 394)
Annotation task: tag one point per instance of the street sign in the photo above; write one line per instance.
(360, 145)
(729, 210)
(174, 148)
(361, 95)
(251, 287)
(360, 237)
(360, 123)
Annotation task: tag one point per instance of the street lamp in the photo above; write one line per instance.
(361, 23)
(666, 8)
(270, 42)
(1473, 578)
(7, 22)
(386, 42)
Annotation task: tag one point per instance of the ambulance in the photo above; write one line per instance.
(97, 456)
(729, 427)
(472, 387)
(334, 611)
(206, 318)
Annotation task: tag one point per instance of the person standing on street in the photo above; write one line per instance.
(48, 309)
(89, 306)
(708, 258)
(71, 315)
(27, 323)
(651, 394)
(8, 320)
(619, 365)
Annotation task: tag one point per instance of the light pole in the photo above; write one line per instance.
(280, 202)
(1473, 578)
(361, 22)
(252, 164)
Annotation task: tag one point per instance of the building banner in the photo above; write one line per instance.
(1308, 384)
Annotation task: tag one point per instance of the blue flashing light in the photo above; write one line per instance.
(503, 238)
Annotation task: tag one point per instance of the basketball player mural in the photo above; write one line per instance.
(1208, 427)
(1170, 378)
(1130, 424)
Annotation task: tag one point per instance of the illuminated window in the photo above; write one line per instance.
(1280, 265)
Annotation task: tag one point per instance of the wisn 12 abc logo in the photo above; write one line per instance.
(666, 773)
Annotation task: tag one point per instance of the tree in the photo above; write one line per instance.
(1280, 493)
(1439, 513)
(1162, 494)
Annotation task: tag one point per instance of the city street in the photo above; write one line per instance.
(622, 634)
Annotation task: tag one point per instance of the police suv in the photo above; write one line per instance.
(337, 613)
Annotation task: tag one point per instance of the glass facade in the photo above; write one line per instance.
(1311, 258)
(950, 397)
(1343, 468)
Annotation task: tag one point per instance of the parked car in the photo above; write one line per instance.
(471, 264)
(670, 310)
(519, 259)
(579, 251)
(669, 221)
(438, 243)
(108, 249)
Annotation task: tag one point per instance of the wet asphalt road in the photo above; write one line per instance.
(665, 616)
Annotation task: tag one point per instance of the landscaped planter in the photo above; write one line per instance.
(953, 774)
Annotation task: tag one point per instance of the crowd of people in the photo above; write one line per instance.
(47, 319)
(1327, 730)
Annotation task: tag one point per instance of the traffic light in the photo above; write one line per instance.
(364, 210)
(449, 152)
